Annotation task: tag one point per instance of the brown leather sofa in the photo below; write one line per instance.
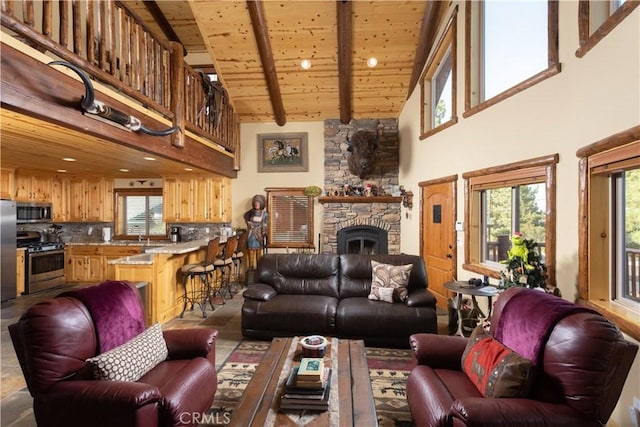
(53, 339)
(302, 294)
(577, 379)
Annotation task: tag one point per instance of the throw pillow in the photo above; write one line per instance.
(133, 359)
(494, 369)
(389, 282)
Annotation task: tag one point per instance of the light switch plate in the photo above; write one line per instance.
(459, 226)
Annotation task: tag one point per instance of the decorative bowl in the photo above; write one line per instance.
(314, 346)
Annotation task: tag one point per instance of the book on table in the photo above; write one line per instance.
(311, 369)
(295, 397)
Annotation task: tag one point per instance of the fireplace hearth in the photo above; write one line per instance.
(362, 239)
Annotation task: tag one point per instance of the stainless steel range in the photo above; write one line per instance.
(44, 262)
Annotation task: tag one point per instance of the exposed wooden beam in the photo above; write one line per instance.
(345, 49)
(261, 33)
(425, 41)
(163, 22)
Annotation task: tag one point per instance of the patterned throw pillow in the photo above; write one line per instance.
(133, 359)
(389, 282)
(494, 369)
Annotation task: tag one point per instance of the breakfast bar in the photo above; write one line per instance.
(160, 267)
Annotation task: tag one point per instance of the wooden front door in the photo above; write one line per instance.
(438, 239)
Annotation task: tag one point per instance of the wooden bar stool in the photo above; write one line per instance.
(237, 257)
(199, 293)
(224, 266)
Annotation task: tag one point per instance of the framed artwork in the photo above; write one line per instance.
(283, 152)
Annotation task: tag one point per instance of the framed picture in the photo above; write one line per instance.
(283, 152)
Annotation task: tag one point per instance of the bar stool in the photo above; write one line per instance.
(238, 255)
(199, 293)
(224, 265)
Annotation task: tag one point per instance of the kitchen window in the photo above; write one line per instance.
(438, 84)
(290, 218)
(510, 46)
(503, 199)
(609, 225)
(139, 214)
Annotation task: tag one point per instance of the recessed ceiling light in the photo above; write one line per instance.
(372, 62)
(188, 169)
(305, 64)
(61, 170)
(124, 170)
(149, 158)
(68, 159)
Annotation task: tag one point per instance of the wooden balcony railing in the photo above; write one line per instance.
(633, 273)
(112, 44)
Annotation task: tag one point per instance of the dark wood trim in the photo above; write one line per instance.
(441, 180)
(610, 142)
(586, 41)
(530, 163)
(345, 47)
(583, 228)
(359, 199)
(52, 96)
(427, 36)
(259, 24)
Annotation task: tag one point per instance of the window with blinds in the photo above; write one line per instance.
(139, 214)
(290, 218)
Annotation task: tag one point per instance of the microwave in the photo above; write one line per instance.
(33, 212)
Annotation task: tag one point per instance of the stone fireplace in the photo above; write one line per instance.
(360, 224)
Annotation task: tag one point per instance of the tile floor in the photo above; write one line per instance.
(15, 400)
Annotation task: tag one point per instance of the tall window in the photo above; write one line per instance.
(598, 18)
(510, 45)
(290, 218)
(609, 221)
(438, 84)
(508, 198)
(139, 214)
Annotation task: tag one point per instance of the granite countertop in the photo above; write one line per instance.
(121, 243)
(178, 248)
(142, 259)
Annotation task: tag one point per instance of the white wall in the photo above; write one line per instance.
(592, 98)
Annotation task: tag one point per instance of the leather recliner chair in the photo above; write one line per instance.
(53, 339)
(579, 373)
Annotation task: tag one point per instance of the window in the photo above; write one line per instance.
(290, 218)
(437, 84)
(139, 214)
(510, 46)
(609, 241)
(508, 198)
(598, 18)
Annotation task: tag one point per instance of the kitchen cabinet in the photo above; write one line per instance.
(7, 184)
(84, 263)
(203, 199)
(32, 188)
(115, 252)
(177, 199)
(20, 270)
(59, 195)
(90, 199)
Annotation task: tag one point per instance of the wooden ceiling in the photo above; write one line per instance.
(271, 86)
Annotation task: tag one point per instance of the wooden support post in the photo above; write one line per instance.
(177, 91)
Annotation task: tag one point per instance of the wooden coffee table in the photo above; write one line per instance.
(260, 403)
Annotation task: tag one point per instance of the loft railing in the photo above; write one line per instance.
(112, 44)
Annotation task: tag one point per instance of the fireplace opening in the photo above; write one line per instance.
(362, 239)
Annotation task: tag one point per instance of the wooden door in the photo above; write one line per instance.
(438, 239)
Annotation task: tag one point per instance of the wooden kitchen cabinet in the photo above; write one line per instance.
(7, 184)
(84, 263)
(115, 252)
(59, 203)
(21, 255)
(177, 200)
(90, 200)
(32, 188)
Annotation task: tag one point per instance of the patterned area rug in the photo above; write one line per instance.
(388, 369)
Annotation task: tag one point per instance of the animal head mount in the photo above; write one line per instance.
(90, 105)
(362, 146)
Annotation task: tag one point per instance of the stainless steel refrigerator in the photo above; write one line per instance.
(8, 249)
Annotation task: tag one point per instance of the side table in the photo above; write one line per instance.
(464, 288)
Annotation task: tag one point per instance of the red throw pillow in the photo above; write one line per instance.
(494, 369)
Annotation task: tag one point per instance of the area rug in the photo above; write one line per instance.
(388, 369)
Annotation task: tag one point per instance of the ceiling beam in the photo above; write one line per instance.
(345, 48)
(163, 23)
(261, 33)
(425, 41)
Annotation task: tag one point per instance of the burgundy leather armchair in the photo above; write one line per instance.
(578, 375)
(53, 339)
